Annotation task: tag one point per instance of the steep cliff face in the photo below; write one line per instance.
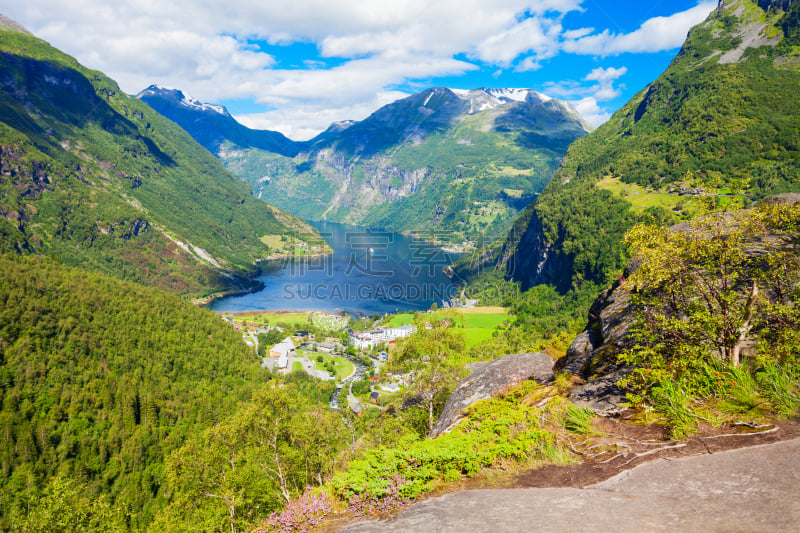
(720, 122)
(537, 261)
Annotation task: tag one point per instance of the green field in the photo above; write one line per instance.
(271, 318)
(478, 328)
(400, 320)
(297, 366)
(476, 324)
(342, 366)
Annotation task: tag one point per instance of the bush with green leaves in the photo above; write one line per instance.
(495, 430)
(718, 314)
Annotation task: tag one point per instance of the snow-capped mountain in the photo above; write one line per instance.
(176, 95)
(463, 161)
(211, 125)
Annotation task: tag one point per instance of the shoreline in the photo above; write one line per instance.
(202, 302)
(258, 285)
(283, 312)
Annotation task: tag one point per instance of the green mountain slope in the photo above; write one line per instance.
(458, 163)
(101, 379)
(720, 126)
(100, 180)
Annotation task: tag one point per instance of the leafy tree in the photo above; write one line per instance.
(708, 287)
(65, 507)
(213, 467)
(428, 355)
(256, 460)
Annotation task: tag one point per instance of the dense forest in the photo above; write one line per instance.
(101, 379)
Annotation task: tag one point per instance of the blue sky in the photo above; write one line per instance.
(295, 66)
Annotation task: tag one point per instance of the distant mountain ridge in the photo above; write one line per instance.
(454, 162)
(101, 181)
(211, 125)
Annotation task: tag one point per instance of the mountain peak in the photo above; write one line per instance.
(13, 25)
(485, 98)
(183, 99)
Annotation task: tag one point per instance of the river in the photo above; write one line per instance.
(369, 271)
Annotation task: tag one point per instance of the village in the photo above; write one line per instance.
(326, 347)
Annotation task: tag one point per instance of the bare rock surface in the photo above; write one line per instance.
(489, 379)
(602, 395)
(7, 23)
(751, 489)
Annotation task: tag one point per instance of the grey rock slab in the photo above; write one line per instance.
(751, 489)
(602, 395)
(488, 380)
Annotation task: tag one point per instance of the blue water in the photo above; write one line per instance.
(399, 273)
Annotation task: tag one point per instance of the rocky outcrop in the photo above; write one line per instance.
(592, 355)
(488, 380)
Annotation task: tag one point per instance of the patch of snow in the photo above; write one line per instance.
(499, 97)
(428, 99)
(514, 95)
(193, 103)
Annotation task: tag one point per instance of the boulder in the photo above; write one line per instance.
(488, 380)
(602, 395)
(579, 353)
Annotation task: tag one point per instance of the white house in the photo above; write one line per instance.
(368, 339)
(283, 350)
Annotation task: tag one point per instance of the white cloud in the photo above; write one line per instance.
(605, 77)
(587, 98)
(302, 121)
(205, 48)
(654, 35)
(537, 35)
(591, 111)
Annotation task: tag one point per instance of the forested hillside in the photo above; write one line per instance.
(101, 181)
(719, 127)
(101, 379)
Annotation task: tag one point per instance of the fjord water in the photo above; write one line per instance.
(370, 271)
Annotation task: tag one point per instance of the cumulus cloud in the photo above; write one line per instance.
(591, 111)
(207, 48)
(587, 98)
(302, 123)
(605, 77)
(654, 35)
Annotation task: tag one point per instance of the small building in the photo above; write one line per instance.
(390, 387)
(373, 397)
(283, 350)
(325, 347)
(382, 356)
(371, 338)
